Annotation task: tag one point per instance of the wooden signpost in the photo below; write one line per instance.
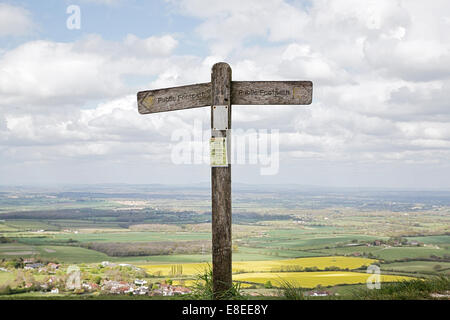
(220, 94)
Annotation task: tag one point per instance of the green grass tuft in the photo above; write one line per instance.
(291, 291)
(203, 289)
(416, 289)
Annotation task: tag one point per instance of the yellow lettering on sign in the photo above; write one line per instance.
(298, 92)
(149, 100)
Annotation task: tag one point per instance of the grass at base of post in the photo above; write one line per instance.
(291, 291)
(203, 289)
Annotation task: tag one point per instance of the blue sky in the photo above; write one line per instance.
(380, 115)
(112, 21)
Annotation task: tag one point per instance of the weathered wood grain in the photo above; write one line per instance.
(242, 93)
(222, 92)
(271, 92)
(176, 98)
(221, 189)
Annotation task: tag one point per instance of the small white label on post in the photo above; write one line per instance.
(218, 152)
(220, 117)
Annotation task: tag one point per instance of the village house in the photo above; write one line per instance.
(169, 290)
(129, 290)
(317, 293)
(32, 266)
(140, 282)
(90, 286)
(117, 287)
(143, 290)
(53, 266)
(156, 292)
(166, 289)
(181, 290)
(107, 264)
(139, 287)
(49, 283)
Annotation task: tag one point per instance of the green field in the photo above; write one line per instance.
(410, 253)
(6, 228)
(391, 253)
(272, 231)
(419, 266)
(71, 254)
(298, 240)
(64, 254)
(312, 279)
(279, 253)
(6, 276)
(30, 225)
(122, 237)
(443, 239)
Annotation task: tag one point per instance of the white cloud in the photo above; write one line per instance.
(55, 73)
(153, 46)
(14, 21)
(380, 71)
(228, 24)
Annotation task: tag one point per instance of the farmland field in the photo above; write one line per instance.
(443, 239)
(270, 265)
(296, 239)
(312, 238)
(419, 266)
(121, 237)
(392, 253)
(6, 276)
(74, 254)
(312, 279)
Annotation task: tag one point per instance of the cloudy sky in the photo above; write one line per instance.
(380, 115)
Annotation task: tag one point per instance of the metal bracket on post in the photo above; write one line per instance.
(220, 118)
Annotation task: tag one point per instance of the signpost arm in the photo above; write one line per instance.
(221, 187)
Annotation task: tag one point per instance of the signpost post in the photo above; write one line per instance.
(220, 94)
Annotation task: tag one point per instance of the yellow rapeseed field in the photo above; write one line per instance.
(312, 279)
(190, 283)
(298, 264)
(301, 263)
(281, 271)
(187, 269)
